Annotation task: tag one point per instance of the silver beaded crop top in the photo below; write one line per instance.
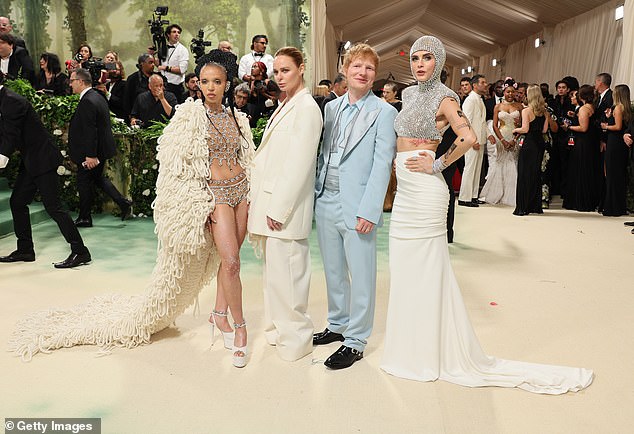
(417, 119)
(223, 138)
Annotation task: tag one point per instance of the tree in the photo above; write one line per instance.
(35, 22)
(76, 24)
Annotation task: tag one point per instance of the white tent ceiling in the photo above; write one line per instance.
(467, 28)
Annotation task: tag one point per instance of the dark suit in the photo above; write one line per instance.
(447, 140)
(90, 135)
(20, 64)
(331, 96)
(21, 129)
(117, 99)
(135, 85)
(599, 116)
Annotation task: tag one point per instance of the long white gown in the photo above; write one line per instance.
(501, 182)
(429, 335)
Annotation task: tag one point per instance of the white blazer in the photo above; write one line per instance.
(475, 110)
(283, 170)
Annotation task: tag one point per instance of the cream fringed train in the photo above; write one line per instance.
(186, 258)
(428, 333)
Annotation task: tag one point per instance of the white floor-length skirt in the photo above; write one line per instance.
(429, 335)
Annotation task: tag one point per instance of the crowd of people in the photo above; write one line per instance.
(331, 155)
(533, 145)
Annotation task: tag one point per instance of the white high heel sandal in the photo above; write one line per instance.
(227, 337)
(240, 361)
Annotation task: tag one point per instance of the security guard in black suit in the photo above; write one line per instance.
(21, 129)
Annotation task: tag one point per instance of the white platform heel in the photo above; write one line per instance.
(240, 360)
(227, 337)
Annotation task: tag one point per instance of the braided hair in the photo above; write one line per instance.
(227, 62)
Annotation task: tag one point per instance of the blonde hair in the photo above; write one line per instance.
(321, 90)
(360, 50)
(536, 99)
(622, 96)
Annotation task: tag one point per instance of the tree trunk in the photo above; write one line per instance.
(35, 21)
(75, 10)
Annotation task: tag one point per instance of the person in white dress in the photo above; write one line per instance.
(428, 332)
(502, 180)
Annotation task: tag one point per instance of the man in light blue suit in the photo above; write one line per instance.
(352, 176)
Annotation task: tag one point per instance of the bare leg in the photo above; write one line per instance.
(225, 234)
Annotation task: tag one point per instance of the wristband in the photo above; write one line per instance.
(438, 166)
(168, 69)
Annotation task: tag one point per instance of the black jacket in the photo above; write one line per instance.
(21, 129)
(20, 64)
(90, 132)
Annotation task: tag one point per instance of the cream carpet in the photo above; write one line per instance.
(561, 283)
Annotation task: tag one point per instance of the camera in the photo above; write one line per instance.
(198, 45)
(95, 66)
(156, 30)
(258, 84)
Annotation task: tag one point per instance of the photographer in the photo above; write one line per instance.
(83, 54)
(257, 54)
(115, 90)
(174, 67)
(264, 92)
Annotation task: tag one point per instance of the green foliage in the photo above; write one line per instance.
(258, 131)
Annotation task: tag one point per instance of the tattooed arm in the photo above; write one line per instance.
(450, 110)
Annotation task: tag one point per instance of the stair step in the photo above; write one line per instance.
(36, 209)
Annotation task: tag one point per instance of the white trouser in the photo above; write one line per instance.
(471, 174)
(286, 283)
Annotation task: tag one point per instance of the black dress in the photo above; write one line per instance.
(616, 153)
(582, 185)
(529, 173)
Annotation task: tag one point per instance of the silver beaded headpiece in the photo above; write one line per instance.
(435, 47)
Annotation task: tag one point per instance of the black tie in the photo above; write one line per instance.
(171, 46)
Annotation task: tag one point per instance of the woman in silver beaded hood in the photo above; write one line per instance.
(428, 332)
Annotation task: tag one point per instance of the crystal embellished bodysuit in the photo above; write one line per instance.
(223, 140)
(417, 119)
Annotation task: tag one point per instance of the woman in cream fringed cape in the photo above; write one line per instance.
(186, 257)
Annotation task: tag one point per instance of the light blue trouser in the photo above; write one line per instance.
(350, 266)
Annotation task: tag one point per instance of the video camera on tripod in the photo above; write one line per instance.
(158, 33)
(198, 45)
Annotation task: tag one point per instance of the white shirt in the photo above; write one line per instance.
(177, 56)
(83, 92)
(4, 64)
(601, 95)
(247, 61)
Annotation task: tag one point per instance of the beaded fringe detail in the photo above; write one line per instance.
(186, 258)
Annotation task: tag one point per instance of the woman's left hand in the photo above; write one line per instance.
(422, 163)
(273, 224)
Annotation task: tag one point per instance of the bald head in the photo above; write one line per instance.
(5, 25)
(225, 46)
(156, 85)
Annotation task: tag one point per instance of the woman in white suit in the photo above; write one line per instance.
(281, 211)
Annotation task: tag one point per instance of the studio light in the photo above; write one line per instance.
(618, 13)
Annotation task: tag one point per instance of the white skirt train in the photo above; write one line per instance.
(429, 335)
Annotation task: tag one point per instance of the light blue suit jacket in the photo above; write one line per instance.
(366, 162)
